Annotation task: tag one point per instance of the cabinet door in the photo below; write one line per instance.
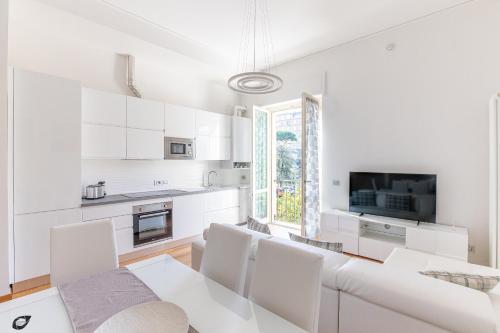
(32, 241)
(104, 142)
(242, 139)
(179, 121)
(145, 114)
(203, 152)
(188, 216)
(453, 245)
(99, 107)
(207, 123)
(220, 148)
(375, 249)
(222, 199)
(124, 240)
(226, 216)
(47, 143)
(144, 144)
(421, 240)
(225, 125)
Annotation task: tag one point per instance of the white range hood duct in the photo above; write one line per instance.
(131, 75)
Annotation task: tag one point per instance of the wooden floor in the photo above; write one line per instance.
(181, 253)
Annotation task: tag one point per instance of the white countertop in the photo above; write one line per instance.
(210, 306)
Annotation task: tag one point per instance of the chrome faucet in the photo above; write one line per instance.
(209, 183)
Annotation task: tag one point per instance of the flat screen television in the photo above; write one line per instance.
(404, 196)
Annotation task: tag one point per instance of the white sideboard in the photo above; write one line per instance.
(376, 236)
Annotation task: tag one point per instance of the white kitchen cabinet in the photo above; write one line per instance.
(32, 241)
(179, 121)
(225, 216)
(222, 199)
(207, 123)
(203, 148)
(145, 144)
(187, 217)
(99, 107)
(241, 140)
(216, 129)
(145, 114)
(220, 148)
(104, 142)
(124, 240)
(47, 142)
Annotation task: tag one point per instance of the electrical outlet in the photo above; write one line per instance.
(160, 182)
(472, 248)
(336, 182)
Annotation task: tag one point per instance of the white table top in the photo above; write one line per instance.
(210, 307)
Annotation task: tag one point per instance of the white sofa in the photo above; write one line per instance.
(360, 296)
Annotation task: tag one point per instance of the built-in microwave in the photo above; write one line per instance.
(179, 149)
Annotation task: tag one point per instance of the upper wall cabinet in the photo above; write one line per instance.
(144, 144)
(213, 133)
(104, 142)
(179, 121)
(242, 140)
(46, 142)
(144, 114)
(103, 108)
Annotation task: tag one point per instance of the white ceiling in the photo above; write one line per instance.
(210, 31)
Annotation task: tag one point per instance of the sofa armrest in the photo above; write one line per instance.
(443, 304)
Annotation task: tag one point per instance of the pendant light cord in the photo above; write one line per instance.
(254, 31)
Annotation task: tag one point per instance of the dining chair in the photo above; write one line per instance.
(225, 259)
(287, 282)
(81, 249)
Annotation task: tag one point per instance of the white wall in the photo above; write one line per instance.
(4, 216)
(49, 40)
(422, 108)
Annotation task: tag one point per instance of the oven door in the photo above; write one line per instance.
(152, 227)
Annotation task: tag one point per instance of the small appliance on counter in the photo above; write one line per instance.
(96, 191)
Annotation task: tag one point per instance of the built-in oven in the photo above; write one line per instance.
(152, 223)
(179, 149)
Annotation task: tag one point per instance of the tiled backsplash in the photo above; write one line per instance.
(125, 176)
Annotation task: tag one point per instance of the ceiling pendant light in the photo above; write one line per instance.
(255, 81)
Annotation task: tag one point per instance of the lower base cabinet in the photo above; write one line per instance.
(225, 216)
(32, 241)
(187, 219)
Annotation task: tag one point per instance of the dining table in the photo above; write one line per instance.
(210, 307)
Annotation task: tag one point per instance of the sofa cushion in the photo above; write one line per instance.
(478, 282)
(255, 225)
(442, 304)
(336, 247)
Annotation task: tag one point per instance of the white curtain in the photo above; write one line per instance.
(310, 174)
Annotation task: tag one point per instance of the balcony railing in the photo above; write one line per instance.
(288, 202)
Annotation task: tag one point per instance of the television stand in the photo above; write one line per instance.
(376, 236)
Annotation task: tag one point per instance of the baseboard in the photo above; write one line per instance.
(5, 298)
(30, 283)
(158, 248)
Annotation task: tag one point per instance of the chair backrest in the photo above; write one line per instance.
(287, 281)
(82, 249)
(225, 259)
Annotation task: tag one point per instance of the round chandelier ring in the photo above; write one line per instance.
(255, 83)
